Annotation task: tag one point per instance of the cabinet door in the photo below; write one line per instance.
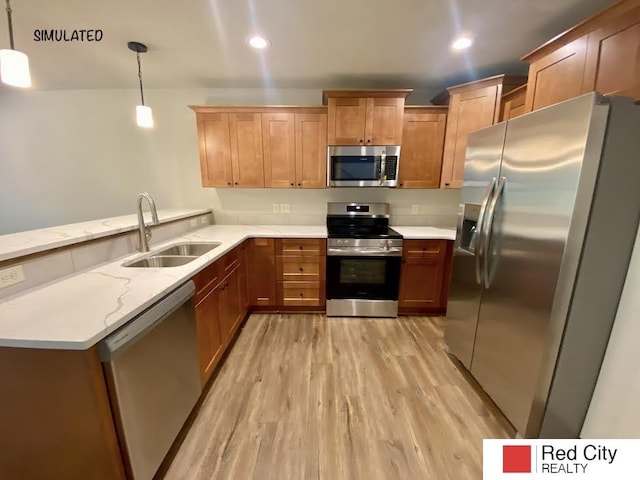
(557, 77)
(243, 275)
(468, 112)
(262, 276)
(279, 150)
(421, 283)
(514, 106)
(384, 121)
(346, 120)
(209, 335)
(311, 150)
(246, 149)
(229, 306)
(613, 58)
(421, 155)
(215, 150)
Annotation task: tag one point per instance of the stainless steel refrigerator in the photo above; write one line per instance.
(549, 212)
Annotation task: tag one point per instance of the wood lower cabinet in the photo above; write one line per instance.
(424, 276)
(210, 344)
(262, 272)
(472, 106)
(365, 117)
(230, 308)
(301, 272)
(599, 54)
(422, 145)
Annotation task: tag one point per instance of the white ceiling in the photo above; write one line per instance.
(314, 43)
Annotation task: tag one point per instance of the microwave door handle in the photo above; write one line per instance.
(383, 161)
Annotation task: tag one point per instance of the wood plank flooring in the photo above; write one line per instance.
(309, 397)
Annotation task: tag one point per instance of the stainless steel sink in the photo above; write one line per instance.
(158, 261)
(189, 249)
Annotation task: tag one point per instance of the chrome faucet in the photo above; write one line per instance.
(145, 232)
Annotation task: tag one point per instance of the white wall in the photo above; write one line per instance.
(69, 156)
(614, 411)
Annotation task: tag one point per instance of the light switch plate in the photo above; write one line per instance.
(194, 222)
(276, 208)
(11, 276)
(415, 209)
(203, 221)
(285, 208)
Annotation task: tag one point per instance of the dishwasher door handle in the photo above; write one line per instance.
(127, 335)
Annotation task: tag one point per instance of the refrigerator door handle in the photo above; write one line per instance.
(488, 230)
(479, 243)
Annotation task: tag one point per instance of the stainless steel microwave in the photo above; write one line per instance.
(363, 166)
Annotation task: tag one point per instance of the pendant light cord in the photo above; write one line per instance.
(139, 75)
(10, 25)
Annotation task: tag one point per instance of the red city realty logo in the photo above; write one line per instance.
(516, 459)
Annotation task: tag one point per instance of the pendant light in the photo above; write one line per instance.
(144, 115)
(14, 65)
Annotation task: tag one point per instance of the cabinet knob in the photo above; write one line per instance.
(301, 269)
(368, 141)
(301, 294)
(228, 183)
(236, 183)
(446, 184)
(361, 141)
(292, 184)
(300, 184)
(401, 184)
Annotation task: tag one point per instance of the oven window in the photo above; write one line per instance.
(371, 272)
(353, 168)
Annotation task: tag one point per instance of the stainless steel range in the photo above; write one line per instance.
(363, 261)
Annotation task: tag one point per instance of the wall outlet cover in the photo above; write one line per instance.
(285, 208)
(276, 208)
(415, 209)
(203, 220)
(11, 276)
(194, 222)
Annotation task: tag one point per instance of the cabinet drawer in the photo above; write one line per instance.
(229, 261)
(302, 246)
(206, 279)
(424, 248)
(298, 268)
(301, 293)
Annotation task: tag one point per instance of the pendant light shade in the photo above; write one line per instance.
(144, 115)
(14, 65)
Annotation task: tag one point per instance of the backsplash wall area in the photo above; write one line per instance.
(436, 208)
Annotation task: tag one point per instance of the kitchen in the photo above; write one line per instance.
(89, 170)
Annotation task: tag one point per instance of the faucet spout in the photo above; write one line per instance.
(145, 232)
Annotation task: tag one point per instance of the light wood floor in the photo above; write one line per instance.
(308, 397)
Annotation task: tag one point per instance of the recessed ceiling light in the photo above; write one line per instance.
(258, 42)
(462, 42)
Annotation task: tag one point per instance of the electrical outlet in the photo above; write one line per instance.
(285, 208)
(276, 208)
(194, 222)
(415, 209)
(203, 221)
(11, 276)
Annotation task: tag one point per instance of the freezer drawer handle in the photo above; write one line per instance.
(488, 230)
(480, 223)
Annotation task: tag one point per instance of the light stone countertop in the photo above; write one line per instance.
(78, 311)
(18, 244)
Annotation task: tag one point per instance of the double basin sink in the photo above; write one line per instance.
(174, 256)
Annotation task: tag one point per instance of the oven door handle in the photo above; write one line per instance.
(358, 252)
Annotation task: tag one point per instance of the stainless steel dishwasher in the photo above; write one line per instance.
(152, 371)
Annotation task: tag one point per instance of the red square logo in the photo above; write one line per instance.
(516, 459)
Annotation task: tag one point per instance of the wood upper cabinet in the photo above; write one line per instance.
(365, 117)
(245, 131)
(279, 147)
(513, 103)
(472, 106)
(311, 150)
(215, 150)
(601, 53)
(558, 76)
(422, 144)
(613, 57)
(276, 147)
